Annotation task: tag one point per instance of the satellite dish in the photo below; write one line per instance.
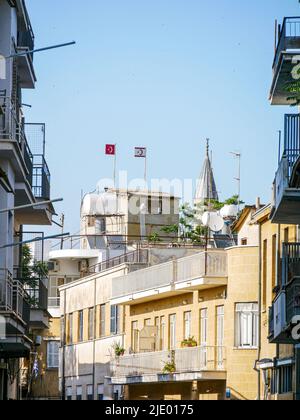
(214, 221)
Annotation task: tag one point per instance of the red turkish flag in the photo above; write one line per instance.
(110, 149)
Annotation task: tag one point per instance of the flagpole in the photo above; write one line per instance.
(145, 172)
(115, 167)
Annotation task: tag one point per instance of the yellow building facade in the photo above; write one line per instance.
(197, 339)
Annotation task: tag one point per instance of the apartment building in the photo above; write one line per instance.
(25, 181)
(285, 209)
(191, 327)
(110, 224)
(275, 363)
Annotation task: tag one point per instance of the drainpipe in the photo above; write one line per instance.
(63, 381)
(259, 313)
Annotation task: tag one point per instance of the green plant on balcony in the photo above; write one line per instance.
(189, 342)
(119, 350)
(169, 368)
(154, 238)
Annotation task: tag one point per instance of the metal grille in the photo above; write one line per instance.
(36, 137)
(292, 139)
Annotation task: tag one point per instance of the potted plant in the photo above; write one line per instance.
(119, 350)
(189, 342)
(169, 368)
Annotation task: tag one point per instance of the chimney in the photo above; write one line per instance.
(258, 203)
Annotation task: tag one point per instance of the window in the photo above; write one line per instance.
(100, 392)
(102, 320)
(69, 332)
(147, 322)
(157, 325)
(282, 380)
(79, 393)
(114, 320)
(172, 332)
(80, 326)
(69, 393)
(89, 393)
(91, 324)
(53, 355)
(162, 332)
(62, 331)
(54, 284)
(285, 379)
(203, 327)
(246, 325)
(187, 325)
(244, 242)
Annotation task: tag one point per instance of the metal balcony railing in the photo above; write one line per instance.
(288, 38)
(292, 299)
(290, 262)
(40, 178)
(6, 290)
(38, 296)
(140, 256)
(18, 298)
(12, 128)
(197, 359)
(26, 40)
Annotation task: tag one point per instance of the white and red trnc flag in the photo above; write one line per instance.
(140, 152)
(110, 149)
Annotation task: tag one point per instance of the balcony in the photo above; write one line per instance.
(285, 89)
(190, 364)
(13, 141)
(286, 189)
(40, 178)
(286, 305)
(25, 42)
(38, 299)
(197, 272)
(14, 310)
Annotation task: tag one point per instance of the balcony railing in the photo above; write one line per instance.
(40, 178)
(140, 256)
(26, 40)
(6, 290)
(289, 37)
(12, 128)
(293, 300)
(290, 262)
(197, 359)
(38, 296)
(197, 266)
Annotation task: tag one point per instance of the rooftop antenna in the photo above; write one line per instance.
(238, 156)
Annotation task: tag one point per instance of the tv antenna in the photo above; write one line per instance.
(238, 156)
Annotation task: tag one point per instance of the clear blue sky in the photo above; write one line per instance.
(164, 74)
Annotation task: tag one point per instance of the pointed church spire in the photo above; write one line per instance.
(206, 189)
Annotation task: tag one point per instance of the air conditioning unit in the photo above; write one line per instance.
(53, 266)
